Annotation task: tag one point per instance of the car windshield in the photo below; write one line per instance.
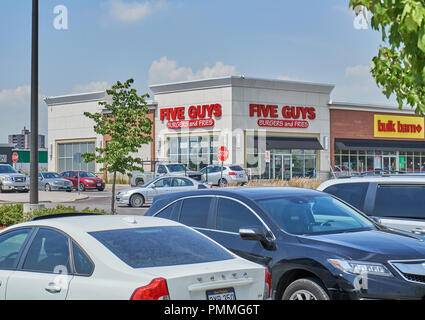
(87, 175)
(160, 246)
(176, 167)
(7, 169)
(310, 215)
(51, 175)
(236, 168)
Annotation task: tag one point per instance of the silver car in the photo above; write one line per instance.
(50, 181)
(138, 196)
(233, 174)
(10, 180)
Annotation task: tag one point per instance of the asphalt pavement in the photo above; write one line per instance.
(92, 199)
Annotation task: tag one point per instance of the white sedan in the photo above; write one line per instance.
(121, 257)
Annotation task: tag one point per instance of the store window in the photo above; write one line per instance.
(67, 159)
(196, 152)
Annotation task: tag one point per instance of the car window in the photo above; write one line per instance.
(7, 169)
(10, 245)
(400, 201)
(236, 168)
(48, 251)
(194, 212)
(176, 168)
(352, 193)
(161, 169)
(318, 214)
(163, 183)
(182, 182)
(83, 265)
(172, 212)
(161, 246)
(64, 174)
(232, 215)
(72, 175)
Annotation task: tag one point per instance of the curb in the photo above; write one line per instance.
(41, 202)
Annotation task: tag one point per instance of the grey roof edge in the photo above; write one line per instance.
(86, 97)
(241, 81)
(366, 107)
(7, 145)
(76, 98)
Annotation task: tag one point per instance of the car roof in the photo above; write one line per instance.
(253, 193)
(403, 179)
(95, 223)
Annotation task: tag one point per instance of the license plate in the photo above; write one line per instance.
(221, 294)
(241, 176)
(99, 184)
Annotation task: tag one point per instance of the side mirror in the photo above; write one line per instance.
(258, 234)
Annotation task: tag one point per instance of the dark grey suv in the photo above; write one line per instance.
(398, 201)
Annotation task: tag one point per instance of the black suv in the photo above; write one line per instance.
(397, 201)
(316, 246)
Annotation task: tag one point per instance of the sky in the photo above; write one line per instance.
(87, 46)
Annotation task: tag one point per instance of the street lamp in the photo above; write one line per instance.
(34, 108)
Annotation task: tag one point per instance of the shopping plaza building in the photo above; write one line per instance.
(274, 129)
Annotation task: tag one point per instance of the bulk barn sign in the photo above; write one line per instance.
(273, 116)
(193, 117)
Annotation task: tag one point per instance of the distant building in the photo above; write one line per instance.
(23, 140)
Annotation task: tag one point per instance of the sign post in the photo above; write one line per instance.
(222, 155)
(77, 159)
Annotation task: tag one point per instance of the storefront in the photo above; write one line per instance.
(274, 129)
(373, 139)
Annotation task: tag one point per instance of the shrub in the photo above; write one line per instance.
(307, 183)
(14, 213)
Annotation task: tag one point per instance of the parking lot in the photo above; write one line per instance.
(92, 199)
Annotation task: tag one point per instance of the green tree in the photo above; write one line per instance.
(399, 67)
(125, 122)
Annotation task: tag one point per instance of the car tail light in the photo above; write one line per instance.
(268, 285)
(156, 290)
(231, 173)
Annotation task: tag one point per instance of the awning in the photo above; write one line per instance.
(290, 143)
(381, 145)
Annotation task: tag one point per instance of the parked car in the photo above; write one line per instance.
(121, 257)
(10, 180)
(398, 201)
(138, 196)
(316, 246)
(86, 180)
(231, 174)
(163, 169)
(50, 181)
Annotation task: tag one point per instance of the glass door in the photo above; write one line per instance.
(389, 164)
(282, 167)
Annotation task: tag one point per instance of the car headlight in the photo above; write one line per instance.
(360, 267)
(6, 179)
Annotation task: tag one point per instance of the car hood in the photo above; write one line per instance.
(374, 245)
(14, 175)
(55, 179)
(94, 179)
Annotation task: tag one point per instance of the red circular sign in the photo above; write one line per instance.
(15, 157)
(223, 154)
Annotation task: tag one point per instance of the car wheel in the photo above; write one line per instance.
(305, 289)
(82, 188)
(136, 201)
(140, 182)
(1, 188)
(100, 189)
(47, 187)
(222, 183)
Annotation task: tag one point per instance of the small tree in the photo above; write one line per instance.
(399, 67)
(125, 122)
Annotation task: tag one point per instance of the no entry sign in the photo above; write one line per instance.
(223, 154)
(15, 157)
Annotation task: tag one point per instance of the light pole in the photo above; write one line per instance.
(34, 108)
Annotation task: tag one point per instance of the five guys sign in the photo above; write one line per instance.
(199, 116)
(293, 117)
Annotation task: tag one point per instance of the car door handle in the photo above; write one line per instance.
(53, 288)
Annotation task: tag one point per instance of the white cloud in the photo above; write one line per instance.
(129, 12)
(90, 87)
(166, 71)
(15, 97)
(359, 86)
